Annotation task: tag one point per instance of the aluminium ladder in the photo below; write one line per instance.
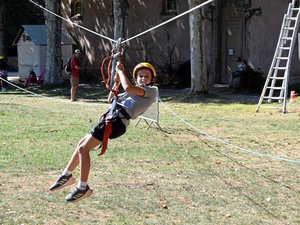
(276, 85)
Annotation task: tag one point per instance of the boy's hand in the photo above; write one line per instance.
(119, 67)
(117, 79)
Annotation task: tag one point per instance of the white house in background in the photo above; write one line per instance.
(31, 44)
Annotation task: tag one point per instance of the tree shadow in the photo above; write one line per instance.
(95, 92)
(217, 96)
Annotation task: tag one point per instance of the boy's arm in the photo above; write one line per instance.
(126, 84)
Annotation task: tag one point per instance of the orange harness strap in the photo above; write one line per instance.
(116, 52)
(107, 133)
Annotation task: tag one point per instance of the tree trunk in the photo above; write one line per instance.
(120, 8)
(2, 29)
(199, 79)
(54, 57)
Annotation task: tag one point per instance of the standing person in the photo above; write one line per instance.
(3, 73)
(134, 102)
(75, 74)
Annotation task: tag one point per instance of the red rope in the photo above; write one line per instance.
(108, 124)
(107, 133)
(107, 78)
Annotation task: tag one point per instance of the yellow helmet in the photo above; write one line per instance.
(144, 65)
(1, 57)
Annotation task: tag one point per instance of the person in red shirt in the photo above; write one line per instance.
(74, 74)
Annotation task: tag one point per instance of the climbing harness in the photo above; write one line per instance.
(108, 80)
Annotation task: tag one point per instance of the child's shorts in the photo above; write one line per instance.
(118, 128)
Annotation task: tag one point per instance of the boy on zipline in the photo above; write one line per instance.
(131, 104)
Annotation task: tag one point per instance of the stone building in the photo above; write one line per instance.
(246, 28)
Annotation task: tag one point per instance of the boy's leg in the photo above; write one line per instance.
(66, 179)
(84, 149)
(74, 161)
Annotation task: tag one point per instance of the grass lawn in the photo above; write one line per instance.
(203, 168)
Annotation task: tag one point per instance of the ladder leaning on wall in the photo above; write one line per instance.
(276, 85)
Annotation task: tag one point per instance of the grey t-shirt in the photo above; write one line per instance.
(137, 105)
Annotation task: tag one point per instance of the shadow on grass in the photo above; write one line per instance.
(93, 92)
(214, 96)
(90, 92)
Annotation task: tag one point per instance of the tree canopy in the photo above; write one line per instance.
(15, 14)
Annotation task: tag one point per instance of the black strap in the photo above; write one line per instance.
(123, 111)
(112, 111)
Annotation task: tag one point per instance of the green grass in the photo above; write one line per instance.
(175, 176)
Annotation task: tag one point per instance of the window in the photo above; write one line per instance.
(26, 37)
(234, 2)
(169, 7)
(76, 9)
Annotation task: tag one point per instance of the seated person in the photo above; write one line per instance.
(32, 79)
(241, 68)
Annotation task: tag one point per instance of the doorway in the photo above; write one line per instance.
(233, 30)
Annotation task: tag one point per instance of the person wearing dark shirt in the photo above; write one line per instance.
(3, 73)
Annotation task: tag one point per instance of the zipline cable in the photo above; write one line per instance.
(69, 21)
(188, 124)
(168, 21)
(248, 168)
(228, 143)
(50, 98)
(29, 92)
(135, 36)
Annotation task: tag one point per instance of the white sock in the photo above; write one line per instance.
(67, 172)
(81, 185)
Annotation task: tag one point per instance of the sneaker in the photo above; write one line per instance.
(78, 194)
(74, 100)
(62, 181)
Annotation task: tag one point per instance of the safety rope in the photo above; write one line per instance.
(107, 77)
(228, 143)
(69, 21)
(50, 98)
(149, 30)
(168, 21)
(184, 121)
(135, 36)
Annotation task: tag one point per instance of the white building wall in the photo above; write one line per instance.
(27, 57)
(35, 56)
